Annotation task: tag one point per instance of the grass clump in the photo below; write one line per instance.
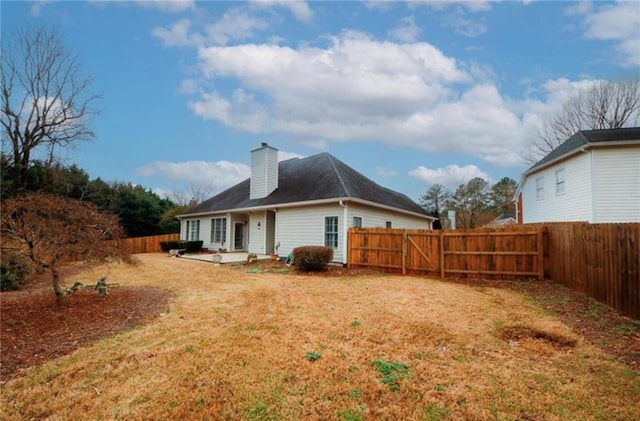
(391, 372)
(312, 356)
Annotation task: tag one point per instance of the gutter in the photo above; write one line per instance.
(584, 148)
(307, 203)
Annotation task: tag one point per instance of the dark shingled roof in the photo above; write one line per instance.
(588, 137)
(317, 177)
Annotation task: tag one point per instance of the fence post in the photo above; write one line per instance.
(404, 252)
(540, 246)
(349, 250)
(441, 247)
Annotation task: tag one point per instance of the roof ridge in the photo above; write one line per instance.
(331, 158)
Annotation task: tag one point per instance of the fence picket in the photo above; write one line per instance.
(600, 260)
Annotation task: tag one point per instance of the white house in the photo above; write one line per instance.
(297, 202)
(594, 176)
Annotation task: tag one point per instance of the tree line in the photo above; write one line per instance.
(476, 203)
(140, 211)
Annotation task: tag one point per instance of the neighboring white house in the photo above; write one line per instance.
(297, 202)
(594, 176)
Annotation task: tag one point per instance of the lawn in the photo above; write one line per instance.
(240, 344)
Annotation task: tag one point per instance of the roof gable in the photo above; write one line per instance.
(587, 138)
(318, 177)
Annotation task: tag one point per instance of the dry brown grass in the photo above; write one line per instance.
(233, 345)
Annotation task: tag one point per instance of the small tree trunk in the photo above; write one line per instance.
(57, 287)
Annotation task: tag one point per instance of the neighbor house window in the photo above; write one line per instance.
(540, 188)
(331, 231)
(193, 230)
(388, 224)
(560, 181)
(357, 222)
(219, 230)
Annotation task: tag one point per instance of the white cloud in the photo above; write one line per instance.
(215, 175)
(472, 5)
(177, 35)
(464, 26)
(360, 89)
(299, 8)
(407, 31)
(204, 176)
(386, 172)
(450, 176)
(235, 24)
(37, 6)
(379, 5)
(620, 23)
(167, 5)
(283, 156)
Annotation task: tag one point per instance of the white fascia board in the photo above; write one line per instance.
(268, 207)
(306, 203)
(588, 145)
(391, 208)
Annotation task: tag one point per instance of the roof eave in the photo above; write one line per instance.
(587, 145)
(305, 203)
(378, 205)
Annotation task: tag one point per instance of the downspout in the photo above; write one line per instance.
(276, 244)
(345, 230)
(592, 187)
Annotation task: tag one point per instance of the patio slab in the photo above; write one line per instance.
(233, 257)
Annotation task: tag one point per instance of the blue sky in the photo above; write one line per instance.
(408, 93)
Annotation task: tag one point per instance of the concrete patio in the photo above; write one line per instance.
(233, 257)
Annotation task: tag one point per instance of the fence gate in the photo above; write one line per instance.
(421, 252)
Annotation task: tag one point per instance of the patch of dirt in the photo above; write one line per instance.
(520, 333)
(598, 324)
(36, 328)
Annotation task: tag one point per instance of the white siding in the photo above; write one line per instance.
(264, 172)
(574, 205)
(377, 218)
(616, 174)
(304, 226)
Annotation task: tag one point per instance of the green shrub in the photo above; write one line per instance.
(168, 245)
(312, 258)
(13, 270)
(190, 246)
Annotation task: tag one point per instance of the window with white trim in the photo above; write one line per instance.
(357, 222)
(331, 231)
(219, 230)
(193, 230)
(540, 188)
(560, 184)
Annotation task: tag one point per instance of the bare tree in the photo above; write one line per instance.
(49, 229)
(46, 104)
(604, 105)
(193, 194)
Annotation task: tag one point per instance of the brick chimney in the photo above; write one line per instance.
(264, 171)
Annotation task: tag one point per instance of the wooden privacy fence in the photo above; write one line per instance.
(600, 260)
(150, 244)
(507, 254)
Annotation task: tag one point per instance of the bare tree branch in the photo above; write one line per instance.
(604, 105)
(46, 103)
